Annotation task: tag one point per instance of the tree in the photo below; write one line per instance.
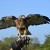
(47, 42)
(6, 43)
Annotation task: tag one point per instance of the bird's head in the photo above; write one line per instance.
(21, 17)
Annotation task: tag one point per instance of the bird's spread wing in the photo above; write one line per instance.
(37, 19)
(7, 21)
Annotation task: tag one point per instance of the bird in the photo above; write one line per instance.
(23, 22)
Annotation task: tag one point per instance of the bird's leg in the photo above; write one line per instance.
(19, 36)
(25, 33)
(25, 36)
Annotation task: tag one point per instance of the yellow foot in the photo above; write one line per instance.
(19, 38)
(25, 37)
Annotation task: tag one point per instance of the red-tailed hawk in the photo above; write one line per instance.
(22, 23)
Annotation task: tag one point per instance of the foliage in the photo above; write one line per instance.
(34, 43)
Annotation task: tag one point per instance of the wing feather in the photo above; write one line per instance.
(37, 19)
(7, 22)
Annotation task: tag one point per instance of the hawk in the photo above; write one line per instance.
(22, 23)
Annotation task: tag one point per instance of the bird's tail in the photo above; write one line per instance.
(28, 33)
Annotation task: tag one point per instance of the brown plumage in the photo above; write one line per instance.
(22, 23)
